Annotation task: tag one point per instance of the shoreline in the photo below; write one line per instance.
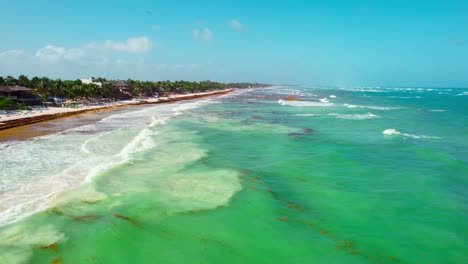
(51, 113)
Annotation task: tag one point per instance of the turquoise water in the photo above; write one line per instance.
(360, 175)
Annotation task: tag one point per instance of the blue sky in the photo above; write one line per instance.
(344, 43)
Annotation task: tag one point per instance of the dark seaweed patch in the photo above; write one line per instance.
(52, 247)
(283, 219)
(305, 131)
(87, 218)
(57, 260)
(273, 194)
(128, 219)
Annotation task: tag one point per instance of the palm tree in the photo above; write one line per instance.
(24, 81)
(11, 81)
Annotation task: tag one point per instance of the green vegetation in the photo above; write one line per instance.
(75, 89)
(8, 104)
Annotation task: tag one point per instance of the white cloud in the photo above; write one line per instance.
(133, 45)
(205, 34)
(87, 52)
(53, 54)
(235, 24)
(11, 53)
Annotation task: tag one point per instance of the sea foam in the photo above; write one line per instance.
(304, 103)
(373, 107)
(354, 116)
(306, 114)
(394, 132)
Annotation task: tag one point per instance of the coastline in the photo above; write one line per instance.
(19, 119)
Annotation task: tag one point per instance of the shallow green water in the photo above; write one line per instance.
(251, 178)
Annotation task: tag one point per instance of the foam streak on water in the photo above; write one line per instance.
(304, 103)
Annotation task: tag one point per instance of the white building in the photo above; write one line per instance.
(91, 80)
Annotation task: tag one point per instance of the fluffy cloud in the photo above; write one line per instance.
(53, 54)
(133, 45)
(205, 34)
(235, 24)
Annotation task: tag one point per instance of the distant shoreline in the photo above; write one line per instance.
(17, 119)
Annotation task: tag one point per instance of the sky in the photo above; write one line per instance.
(337, 43)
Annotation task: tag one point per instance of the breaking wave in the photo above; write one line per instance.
(304, 103)
(306, 114)
(394, 132)
(372, 107)
(354, 116)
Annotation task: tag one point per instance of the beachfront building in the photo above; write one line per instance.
(19, 94)
(122, 86)
(123, 91)
(91, 80)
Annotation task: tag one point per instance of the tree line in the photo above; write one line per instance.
(75, 89)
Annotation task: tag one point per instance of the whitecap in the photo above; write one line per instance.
(372, 107)
(405, 97)
(332, 96)
(306, 115)
(371, 90)
(394, 132)
(192, 105)
(304, 103)
(305, 94)
(354, 116)
(391, 131)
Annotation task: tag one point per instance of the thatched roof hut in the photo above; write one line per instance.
(16, 88)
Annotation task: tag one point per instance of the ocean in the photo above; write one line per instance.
(287, 174)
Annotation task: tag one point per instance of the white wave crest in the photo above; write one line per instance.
(304, 103)
(394, 132)
(306, 115)
(354, 116)
(191, 105)
(391, 131)
(365, 89)
(372, 107)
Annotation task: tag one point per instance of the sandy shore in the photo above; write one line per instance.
(25, 117)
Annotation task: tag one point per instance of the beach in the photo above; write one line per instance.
(287, 174)
(10, 119)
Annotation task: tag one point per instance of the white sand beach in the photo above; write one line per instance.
(37, 114)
